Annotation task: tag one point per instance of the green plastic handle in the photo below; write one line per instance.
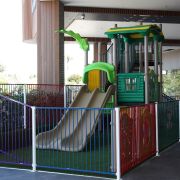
(82, 41)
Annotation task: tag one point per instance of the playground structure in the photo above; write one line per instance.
(136, 50)
(86, 136)
(128, 71)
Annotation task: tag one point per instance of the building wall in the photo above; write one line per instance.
(27, 20)
(171, 60)
(50, 44)
(40, 21)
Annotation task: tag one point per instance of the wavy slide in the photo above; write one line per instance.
(76, 126)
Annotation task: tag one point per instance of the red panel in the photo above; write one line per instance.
(138, 133)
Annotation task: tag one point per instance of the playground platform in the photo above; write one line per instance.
(165, 167)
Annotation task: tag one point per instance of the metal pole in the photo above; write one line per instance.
(160, 69)
(179, 121)
(156, 67)
(65, 98)
(157, 132)
(140, 58)
(86, 58)
(126, 57)
(146, 69)
(113, 144)
(156, 56)
(33, 138)
(99, 52)
(118, 157)
(24, 94)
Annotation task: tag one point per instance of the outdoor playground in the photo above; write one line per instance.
(115, 121)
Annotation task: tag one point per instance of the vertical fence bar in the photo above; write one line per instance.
(24, 94)
(118, 160)
(157, 132)
(179, 121)
(33, 139)
(65, 98)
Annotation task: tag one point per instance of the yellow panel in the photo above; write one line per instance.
(93, 80)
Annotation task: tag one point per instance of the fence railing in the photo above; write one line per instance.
(15, 133)
(85, 140)
(168, 116)
(137, 135)
(47, 95)
(80, 140)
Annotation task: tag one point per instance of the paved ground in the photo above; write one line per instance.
(165, 167)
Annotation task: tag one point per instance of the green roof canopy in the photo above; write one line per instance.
(136, 32)
(108, 68)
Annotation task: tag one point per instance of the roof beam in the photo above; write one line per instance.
(167, 42)
(112, 14)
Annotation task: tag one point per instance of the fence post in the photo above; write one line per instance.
(157, 132)
(179, 121)
(24, 95)
(33, 138)
(65, 96)
(118, 159)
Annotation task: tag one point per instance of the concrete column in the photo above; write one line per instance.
(50, 44)
(95, 44)
(103, 51)
(146, 69)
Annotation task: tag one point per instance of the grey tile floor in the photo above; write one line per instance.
(164, 167)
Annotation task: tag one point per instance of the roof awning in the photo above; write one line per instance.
(137, 32)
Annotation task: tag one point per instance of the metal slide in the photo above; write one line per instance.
(75, 127)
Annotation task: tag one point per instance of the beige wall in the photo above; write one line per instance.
(50, 44)
(27, 20)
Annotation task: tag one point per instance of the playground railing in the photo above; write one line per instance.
(70, 93)
(168, 116)
(75, 139)
(47, 95)
(137, 135)
(15, 132)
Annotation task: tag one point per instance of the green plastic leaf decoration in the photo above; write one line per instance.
(82, 41)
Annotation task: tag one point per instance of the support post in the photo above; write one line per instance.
(86, 58)
(157, 132)
(146, 69)
(140, 58)
(99, 52)
(115, 64)
(65, 98)
(118, 157)
(156, 57)
(179, 121)
(156, 68)
(160, 70)
(24, 101)
(33, 138)
(126, 57)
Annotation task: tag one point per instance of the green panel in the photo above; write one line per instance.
(130, 87)
(168, 123)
